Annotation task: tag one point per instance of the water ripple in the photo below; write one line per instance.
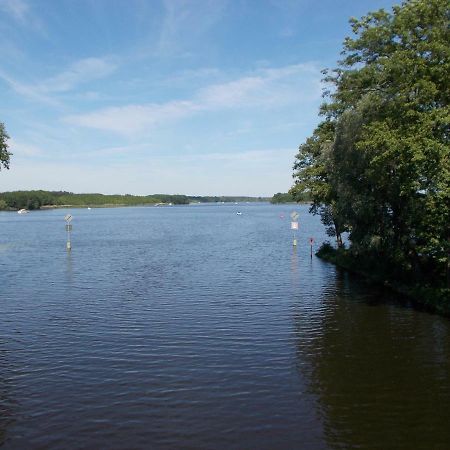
(192, 328)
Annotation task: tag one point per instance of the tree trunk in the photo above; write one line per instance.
(338, 234)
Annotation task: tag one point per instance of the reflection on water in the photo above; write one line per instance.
(7, 410)
(294, 267)
(69, 267)
(192, 327)
(381, 372)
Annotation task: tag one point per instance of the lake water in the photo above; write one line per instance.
(193, 327)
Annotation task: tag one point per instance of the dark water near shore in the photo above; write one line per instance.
(192, 327)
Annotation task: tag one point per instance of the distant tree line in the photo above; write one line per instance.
(37, 199)
(227, 199)
(378, 165)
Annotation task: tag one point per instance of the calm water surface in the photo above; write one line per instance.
(192, 327)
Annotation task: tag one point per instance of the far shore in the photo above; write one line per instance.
(124, 205)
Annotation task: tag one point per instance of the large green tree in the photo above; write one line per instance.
(382, 170)
(4, 153)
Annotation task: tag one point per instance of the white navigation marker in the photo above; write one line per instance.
(294, 225)
(68, 218)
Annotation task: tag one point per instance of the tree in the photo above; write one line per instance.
(312, 172)
(281, 197)
(4, 154)
(382, 170)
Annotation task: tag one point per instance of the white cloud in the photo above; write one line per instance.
(133, 118)
(18, 9)
(232, 94)
(190, 76)
(254, 156)
(269, 88)
(186, 20)
(216, 174)
(80, 72)
(27, 90)
(21, 12)
(22, 149)
(109, 151)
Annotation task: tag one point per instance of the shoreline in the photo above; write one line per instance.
(431, 299)
(125, 205)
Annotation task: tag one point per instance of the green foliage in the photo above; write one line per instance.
(227, 199)
(433, 298)
(378, 165)
(26, 199)
(37, 199)
(286, 198)
(4, 153)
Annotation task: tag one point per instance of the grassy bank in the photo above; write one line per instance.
(431, 298)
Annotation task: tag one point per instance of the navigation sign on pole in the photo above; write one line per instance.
(68, 218)
(294, 225)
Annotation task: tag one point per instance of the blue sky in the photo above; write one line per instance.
(145, 96)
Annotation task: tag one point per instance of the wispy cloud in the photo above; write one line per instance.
(18, 9)
(233, 93)
(21, 13)
(190, 76)
(269, 88)
(133, 118)
(22, 149)
(240, 174)
(255, 156)
(26, 90)
(82, 71)
(186, 20)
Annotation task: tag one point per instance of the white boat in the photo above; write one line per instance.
(239, 213)
(23, 211)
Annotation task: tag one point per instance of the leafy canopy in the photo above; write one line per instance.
(4, 154)
(378, 166)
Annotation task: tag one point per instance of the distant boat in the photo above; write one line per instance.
(23, 211)
(239, 213)
(88, 207)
